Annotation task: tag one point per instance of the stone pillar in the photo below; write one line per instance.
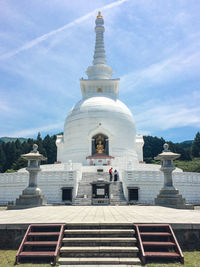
(169, 196)
(32, 195)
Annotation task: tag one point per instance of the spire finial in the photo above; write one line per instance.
(99, 70)
(99, 15)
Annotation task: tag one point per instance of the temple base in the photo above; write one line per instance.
(33, 199)
(170, 197)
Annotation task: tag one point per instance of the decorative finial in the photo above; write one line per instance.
(35, 149)
(99, 15)
(166, 147)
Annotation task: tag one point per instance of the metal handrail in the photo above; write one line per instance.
(143, 259)
(177, 245)
(22, 243)
(59, 242)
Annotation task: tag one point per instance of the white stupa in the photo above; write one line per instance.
(99, 128)
(100, 132)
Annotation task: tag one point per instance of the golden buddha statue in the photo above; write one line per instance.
(100, 146)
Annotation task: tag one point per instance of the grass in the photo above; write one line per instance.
(188, 166)
(192, 259)
(7, 259)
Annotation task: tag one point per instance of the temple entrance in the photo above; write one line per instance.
(133, 194)
(67, 194)
(100, 144)
(100, 193)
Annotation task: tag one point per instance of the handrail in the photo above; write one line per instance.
(22, 243)
(59, 242)
(177, 244)
(143, 259)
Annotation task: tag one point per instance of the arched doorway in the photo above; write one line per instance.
(100, 144)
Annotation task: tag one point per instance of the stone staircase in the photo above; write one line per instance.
(84, 194)
(117, 193)
(99, 244)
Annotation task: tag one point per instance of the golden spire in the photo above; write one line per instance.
(99, 15)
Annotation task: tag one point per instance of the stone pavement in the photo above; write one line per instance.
(100, 214)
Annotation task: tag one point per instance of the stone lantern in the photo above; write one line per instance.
(32, 195)
(169, 196)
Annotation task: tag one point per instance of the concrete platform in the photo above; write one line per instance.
(100, 214)
(185, 223)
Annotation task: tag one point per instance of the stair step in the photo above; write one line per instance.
(37, 254)
(79, 261)
(153, 243)
(162, 254)
(43, 225)
(152, 225)
(99, 249)
(102, 239)
(40, 243)
(101, 226)
(100, 231)
(43, 233)
(155, 234)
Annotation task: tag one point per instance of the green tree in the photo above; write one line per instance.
(196, 146)
(152, 147)
(41, 148)
(177, 148)
(10, 151)
(19, 164)
(49, 145)
(2, 159)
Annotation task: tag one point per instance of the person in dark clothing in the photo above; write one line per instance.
(115, 175)
(111, 174)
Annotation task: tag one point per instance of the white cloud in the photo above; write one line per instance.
(186, 62)
(171, 113)
(33, 131)
(44, 37)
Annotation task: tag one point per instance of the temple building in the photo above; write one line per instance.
(108, 132)
(99, 133)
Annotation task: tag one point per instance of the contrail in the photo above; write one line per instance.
(44, 37)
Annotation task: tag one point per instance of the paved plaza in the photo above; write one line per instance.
(100, 214)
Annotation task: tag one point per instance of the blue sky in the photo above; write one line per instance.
(153, 46)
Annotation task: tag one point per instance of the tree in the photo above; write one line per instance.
(2, 159)
(10, 151)
(50, 148)
(177, 148)
(41, 148)
(196, 146)
(19, 164)
(152, 147)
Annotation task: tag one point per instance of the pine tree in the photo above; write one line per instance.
(10, 151)
(50, 147)
(196, 146)
(2, 159)
(41, 148)
(152, 147)
(19, 163)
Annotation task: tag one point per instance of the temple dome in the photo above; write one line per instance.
(98, 115)
(101, 104)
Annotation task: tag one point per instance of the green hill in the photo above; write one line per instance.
(12, 139)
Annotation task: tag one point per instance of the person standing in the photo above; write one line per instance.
(115, 175)
(111, 174)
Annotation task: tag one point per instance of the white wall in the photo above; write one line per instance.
(150, 183)
(50, 182)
